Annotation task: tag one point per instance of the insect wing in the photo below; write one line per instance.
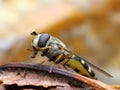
(98, 69)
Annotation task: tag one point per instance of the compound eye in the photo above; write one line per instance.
(43, 40)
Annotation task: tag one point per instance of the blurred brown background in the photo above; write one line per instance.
(90, 28)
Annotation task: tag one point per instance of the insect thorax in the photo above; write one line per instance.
(54, 43)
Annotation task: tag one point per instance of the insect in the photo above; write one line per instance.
(56, 51)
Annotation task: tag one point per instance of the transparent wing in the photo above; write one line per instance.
(98, 69)
(92, 65)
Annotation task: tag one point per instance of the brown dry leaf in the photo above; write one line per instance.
(34, 76)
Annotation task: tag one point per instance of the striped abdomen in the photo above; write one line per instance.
(79, 65)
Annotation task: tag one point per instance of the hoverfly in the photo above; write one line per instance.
(56, 51)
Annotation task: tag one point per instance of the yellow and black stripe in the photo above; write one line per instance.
(79, 65)
(76, 63)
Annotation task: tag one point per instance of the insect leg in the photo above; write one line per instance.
(46, 49)
(66, 57)
(51, 68)
(42, 62)
(56, 61)
(49, 49)
(58, 58)
(35, 51)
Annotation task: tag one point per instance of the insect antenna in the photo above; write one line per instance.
(32, 50)
(29, 49)
(33, 33)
